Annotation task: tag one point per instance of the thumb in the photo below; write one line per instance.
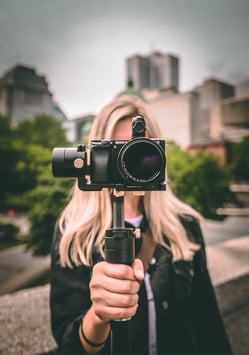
(138, 269)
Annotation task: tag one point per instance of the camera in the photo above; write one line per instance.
(137, 164)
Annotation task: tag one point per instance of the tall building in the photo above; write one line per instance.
(164, 71)
(155, 71)
(25, 94)
(138, 71)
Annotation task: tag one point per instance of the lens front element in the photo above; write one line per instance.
(141, 160)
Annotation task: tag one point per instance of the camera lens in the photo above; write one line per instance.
(141, 160)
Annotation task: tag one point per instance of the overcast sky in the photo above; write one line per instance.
(81, 45)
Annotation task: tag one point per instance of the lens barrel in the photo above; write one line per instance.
(141, 160)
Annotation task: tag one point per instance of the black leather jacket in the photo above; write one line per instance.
(188, 318)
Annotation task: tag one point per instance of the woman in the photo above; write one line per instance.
(167, 290)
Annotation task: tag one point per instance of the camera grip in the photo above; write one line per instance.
(120, 245)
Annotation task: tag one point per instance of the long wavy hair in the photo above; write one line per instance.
(89, 213)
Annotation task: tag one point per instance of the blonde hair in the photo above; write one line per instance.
(89, 213)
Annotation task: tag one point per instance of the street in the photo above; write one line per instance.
(19, 269)
(220, 231)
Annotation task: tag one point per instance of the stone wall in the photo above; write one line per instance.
(25, 320)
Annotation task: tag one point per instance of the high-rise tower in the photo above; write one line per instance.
(155, 71)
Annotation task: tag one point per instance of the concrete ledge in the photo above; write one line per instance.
(25, 323)
(25, 319)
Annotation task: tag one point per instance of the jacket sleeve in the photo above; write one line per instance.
(69, 301)
(207, 319)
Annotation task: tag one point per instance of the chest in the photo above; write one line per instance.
(171, 282)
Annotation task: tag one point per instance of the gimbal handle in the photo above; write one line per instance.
(120, 249)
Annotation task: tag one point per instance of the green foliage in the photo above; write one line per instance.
(44, 130)
(198, 180)
(20, 167)
(26, 177)
(239, 166)
(25, 152)
(15, 174)
(47, 202)
(178, 161)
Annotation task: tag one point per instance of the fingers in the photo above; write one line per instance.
(111, 306)
(114, 278)
(114, 289)
(122, 271)
(107, 313)
(116, 271)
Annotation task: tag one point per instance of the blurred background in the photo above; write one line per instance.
(60, 62)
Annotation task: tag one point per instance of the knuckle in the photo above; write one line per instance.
(122, 314)
(93, 284)
(128, 287)
(99, 267)
(122, 270)
(130, 300)
(127, 301)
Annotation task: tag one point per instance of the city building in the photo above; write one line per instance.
(176, 114)
(25, 94)
(242, 88)
(78, 129)
(234, 122)
(155, 71)
(213, 114)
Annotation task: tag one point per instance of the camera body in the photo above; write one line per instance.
(137, 164)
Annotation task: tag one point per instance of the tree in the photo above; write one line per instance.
(43, 130)
(25, 151)
(13, 155)
(16, 174)
(20, 167)
(48, 200)
(239, 166)
(26, 176)
(199, 180)
(178, 162)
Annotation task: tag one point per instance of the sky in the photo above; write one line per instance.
(80, 46)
